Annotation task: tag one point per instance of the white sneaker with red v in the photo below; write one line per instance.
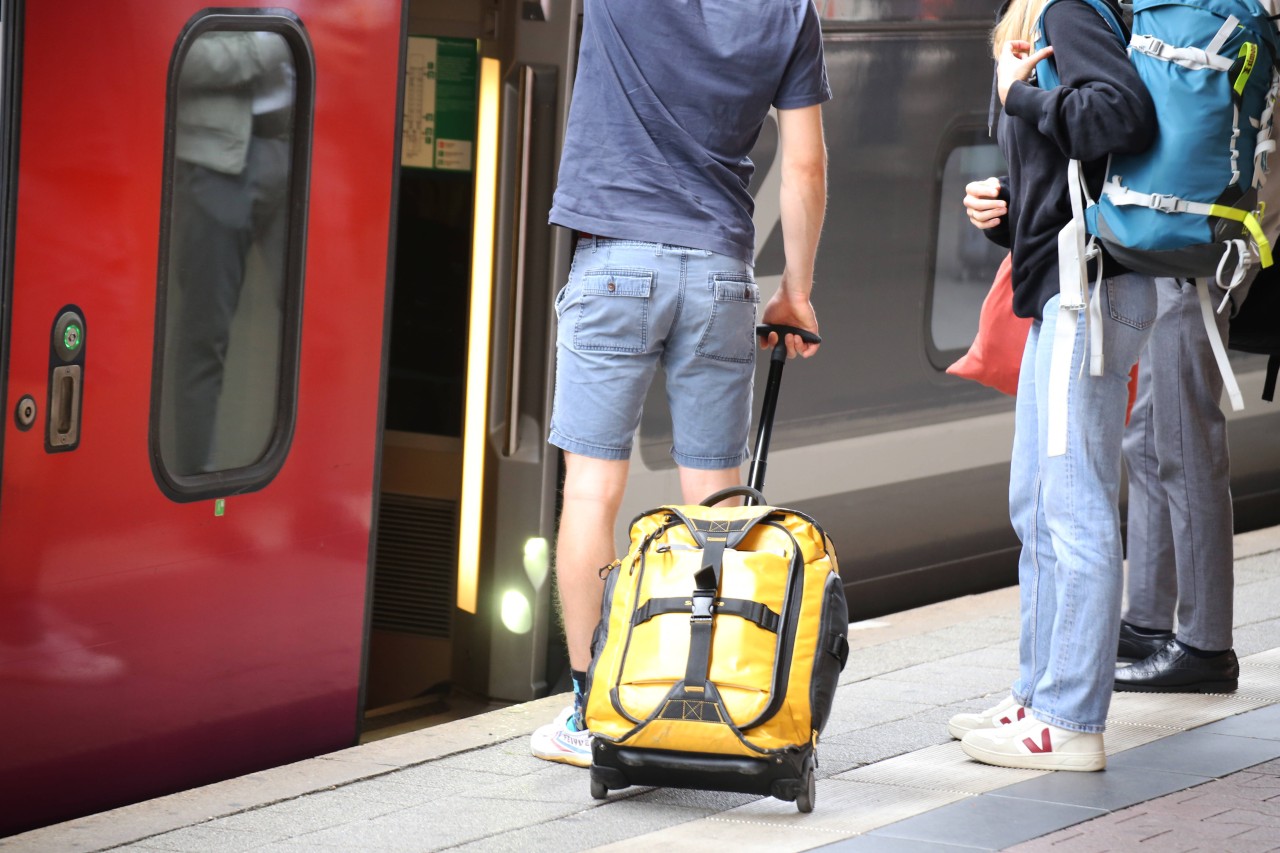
(1032, 745)
(1008, 711)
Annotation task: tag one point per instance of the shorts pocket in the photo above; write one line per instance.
(730, 334)
(1131, 300)
(614, 311)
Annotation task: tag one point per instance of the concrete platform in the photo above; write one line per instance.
(1185, 772)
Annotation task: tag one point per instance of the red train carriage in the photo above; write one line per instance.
(165, 623)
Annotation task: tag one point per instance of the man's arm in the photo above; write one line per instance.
(803, 203)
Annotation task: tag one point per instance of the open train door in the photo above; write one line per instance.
(463, 583)
(188, 470)
(511, 475)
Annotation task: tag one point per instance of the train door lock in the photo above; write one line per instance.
(66, 380)
(25, 412)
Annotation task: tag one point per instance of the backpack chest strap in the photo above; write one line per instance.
(1195, 58)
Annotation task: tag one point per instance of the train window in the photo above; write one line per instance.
(231, 254)
(881, 11)
(964, 259)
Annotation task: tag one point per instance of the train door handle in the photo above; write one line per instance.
(64, 406)
(66, 380)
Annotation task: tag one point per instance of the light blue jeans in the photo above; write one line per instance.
(1065, 511)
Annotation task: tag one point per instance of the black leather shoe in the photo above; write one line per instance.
(1138, 646)
(1172, 670)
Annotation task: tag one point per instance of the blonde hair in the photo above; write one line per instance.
(1016, 24)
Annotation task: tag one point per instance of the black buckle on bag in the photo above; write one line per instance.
(703, 605)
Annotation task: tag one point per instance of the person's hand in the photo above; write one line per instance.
(1016, 62)
(982, 204)
(787, 309)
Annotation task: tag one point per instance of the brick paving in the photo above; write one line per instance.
(1239, 813)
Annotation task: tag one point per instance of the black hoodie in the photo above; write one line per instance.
(1100, 108)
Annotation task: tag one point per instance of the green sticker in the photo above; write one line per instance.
(219, 507)
(440, 103)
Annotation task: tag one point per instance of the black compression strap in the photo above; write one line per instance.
(753, 611)
(700, 622)
(838, 648)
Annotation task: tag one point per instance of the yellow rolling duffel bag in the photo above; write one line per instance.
(722, 636)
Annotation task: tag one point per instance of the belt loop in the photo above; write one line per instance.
(595, 244)
(657, 250)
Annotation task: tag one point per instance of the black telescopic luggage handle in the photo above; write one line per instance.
(777, 360)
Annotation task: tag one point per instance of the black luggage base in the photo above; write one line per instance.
(786, 776)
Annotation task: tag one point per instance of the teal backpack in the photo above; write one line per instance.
(1188, 206)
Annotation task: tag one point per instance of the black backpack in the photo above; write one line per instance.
(1256, 326)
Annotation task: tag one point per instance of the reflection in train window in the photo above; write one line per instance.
(231, 275)
(965, 260)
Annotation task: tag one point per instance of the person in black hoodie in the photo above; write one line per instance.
(1063, 497)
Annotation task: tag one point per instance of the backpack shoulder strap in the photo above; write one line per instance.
(1046, 70)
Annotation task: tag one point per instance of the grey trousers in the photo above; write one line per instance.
(1175, 448)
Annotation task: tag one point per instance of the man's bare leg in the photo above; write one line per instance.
(698, 484)
(592, 494)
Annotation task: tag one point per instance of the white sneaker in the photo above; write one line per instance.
(1007, 712)
(557, 742)
(1033, 745)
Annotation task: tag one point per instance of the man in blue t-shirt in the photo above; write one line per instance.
(668, 101)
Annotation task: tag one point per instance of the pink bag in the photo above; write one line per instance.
(995, 356)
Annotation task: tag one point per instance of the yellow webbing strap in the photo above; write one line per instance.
(1250, 222)
(1249, 51)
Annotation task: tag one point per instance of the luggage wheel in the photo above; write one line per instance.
(599, 790)
(806, 796)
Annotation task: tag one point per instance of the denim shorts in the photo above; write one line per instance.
(630, 306)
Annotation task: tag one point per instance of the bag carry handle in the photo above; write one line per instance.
(733, 492)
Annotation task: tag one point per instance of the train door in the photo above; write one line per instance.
(185, 523)
(462, 590)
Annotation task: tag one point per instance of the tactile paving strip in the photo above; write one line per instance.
(846, 807)
(1269, 658)
(1179, 711)
(1121, 736)
(938, 768)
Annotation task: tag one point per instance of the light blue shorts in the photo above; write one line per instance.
(631, 305)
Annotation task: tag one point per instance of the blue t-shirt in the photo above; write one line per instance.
(669, 99)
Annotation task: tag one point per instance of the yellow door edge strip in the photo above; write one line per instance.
(475, 415)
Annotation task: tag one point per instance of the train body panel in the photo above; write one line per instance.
(150, 644)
